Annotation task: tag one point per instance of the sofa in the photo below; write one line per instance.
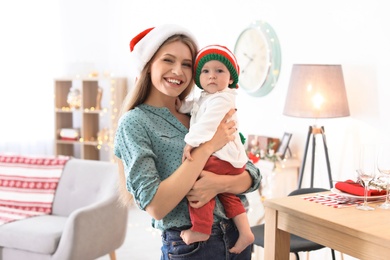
(86, 220)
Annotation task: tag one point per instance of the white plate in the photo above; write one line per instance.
(356, 197)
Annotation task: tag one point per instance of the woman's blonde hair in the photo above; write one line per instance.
(138, 96)
(143, 84)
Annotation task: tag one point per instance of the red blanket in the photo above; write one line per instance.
(27, 185)
(354, 188)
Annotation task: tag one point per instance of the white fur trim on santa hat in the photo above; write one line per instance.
(149, 44)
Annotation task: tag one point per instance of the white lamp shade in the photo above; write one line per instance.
(316, 91)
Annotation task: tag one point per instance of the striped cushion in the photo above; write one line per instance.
(27, 185)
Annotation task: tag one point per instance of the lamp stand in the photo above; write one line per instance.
(314, 130)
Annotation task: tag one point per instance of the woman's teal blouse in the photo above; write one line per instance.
(150, 142)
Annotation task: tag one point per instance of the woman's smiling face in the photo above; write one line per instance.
(171, 69)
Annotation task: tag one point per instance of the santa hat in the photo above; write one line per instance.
(144, 45)
(219, 53)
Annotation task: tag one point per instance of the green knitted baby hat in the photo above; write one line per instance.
(219, 53)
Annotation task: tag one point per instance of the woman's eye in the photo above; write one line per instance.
(167, 60)
(189, 65)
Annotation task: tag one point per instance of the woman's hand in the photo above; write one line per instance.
(210, 185)
(225, 132)
(204, 189)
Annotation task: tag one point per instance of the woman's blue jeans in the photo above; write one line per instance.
(223, 237)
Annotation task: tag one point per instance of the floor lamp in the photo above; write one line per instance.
(316, 91)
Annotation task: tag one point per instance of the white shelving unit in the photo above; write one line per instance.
(96, 125)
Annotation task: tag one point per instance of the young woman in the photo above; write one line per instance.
(150, 139)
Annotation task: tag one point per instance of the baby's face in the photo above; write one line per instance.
(214, 76)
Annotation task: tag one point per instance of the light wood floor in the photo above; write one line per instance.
(142, 241)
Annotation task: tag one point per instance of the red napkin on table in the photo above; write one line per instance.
(351, 187)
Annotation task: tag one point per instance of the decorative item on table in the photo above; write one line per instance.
(366, 171)
(262, 147)
(283, 147)
(74, 98)
(376, 187)
(70, 134)
(383, 165)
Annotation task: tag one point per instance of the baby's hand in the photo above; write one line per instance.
(187, 153)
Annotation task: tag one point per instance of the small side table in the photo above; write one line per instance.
(279, 179)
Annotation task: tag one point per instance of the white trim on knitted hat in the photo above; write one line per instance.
(222, 49)
(147, 46)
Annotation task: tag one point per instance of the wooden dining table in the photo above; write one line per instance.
(361, 234)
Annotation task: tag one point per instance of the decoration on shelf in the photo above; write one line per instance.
(262, 148)
(70, 134)
(93, 74)
(99, 98)
(103, 137)
(65, 109)
(74, 98)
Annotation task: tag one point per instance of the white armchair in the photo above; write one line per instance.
(87, 220)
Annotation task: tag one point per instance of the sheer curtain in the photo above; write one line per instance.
(30, 58)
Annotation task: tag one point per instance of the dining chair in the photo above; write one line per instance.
(297, 244)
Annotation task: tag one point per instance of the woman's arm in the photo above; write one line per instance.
(210, 184)
(173, 189)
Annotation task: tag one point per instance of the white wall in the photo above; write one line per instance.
(48, 39)
(351, 33)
